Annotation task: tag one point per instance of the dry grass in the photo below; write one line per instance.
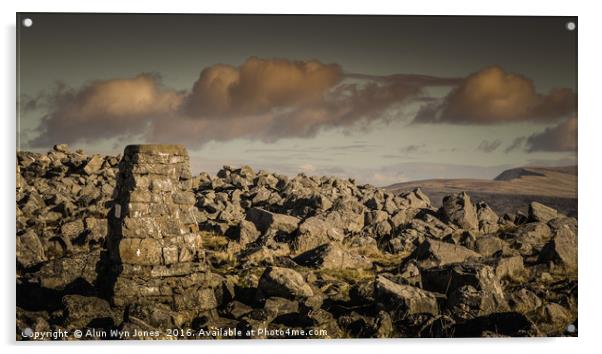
(213, 241)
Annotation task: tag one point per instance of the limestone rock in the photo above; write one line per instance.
(30, 250)
(432, 253)
(332, 256)
(404, 299)
(265, 220)
(80, 311)
(458, 208)
(541, 213)
(562, 250)
(284, 282)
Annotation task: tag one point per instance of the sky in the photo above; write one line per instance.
(382, 99)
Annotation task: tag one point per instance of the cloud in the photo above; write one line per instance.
(562, 137)
(260, 85)
(489, 146)
(262, 99)
(413, 148)
(103, 109)
(493, 95)
(516, 143)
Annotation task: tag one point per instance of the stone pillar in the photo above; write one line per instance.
(154, 245)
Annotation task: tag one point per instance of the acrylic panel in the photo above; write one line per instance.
(204, 176)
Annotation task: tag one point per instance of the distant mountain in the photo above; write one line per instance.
(511, 190)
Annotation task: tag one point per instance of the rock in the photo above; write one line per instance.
(237, 309)
(316, 231)
(524, 301)
(416, 199)
(374, 217)
(531, 237)
(497, 324)
(332, 256)
(472, 289)
(509, 268)
(404, 299)
(541, 213)
(347, 214)
(430, 226)
(562, 250)
(458, 209)
(30, 250)
(56, 274)
(489, 245)
(383, 325)
(247, 233)
(80, 311)
(200, 299)
(404, 216)
(278, 306)
(432, 253)
(488, 219)
(265, 220)
(124, 230)
(72, 229)
(284, 282)
(64, 148)
(553, 318)
(98, 228)
(93, 165)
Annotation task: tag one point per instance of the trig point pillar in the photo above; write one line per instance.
(155, 247)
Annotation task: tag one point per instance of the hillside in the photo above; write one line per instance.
(509, 191)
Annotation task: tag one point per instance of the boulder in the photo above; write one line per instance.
(562, 250)
(332, 256)
(93, 165)
(283, 282)
(247, 232)
(79, 311)
(489, 245)
(458, 209)
(72, 229)
(432, 253)
(541, 213)
(404, 299)
(524, 301)
(64, 148)
(508, 268)
(472, 288)
(553, 318)
(531, 237)
(30, 250)
(488, 219)
(415, 199)
(501, 324)
(265, 220)
(315, 231)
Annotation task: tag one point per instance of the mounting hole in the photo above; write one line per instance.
(571, 328)
(571, 26)
(27, 22)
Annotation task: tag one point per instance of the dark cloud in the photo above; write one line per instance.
(266, 99)
(562, 137)
(489, 146)
(493, 95)
(516, 143)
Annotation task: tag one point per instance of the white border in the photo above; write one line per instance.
(590, 201)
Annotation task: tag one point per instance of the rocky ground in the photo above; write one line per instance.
(290, 254)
